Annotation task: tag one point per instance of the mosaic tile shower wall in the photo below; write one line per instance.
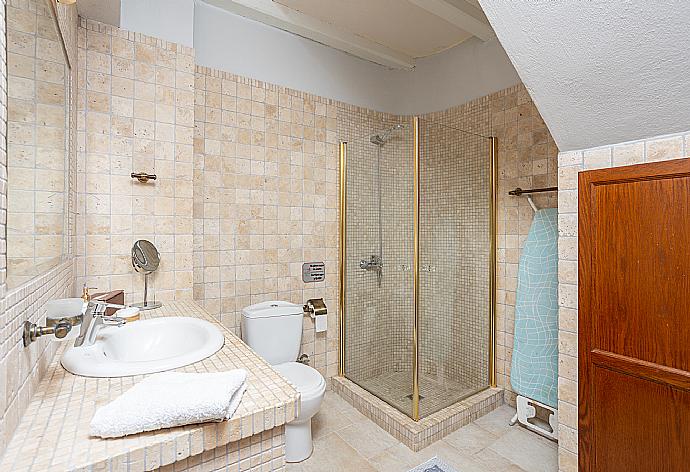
(526, 157)
(379, 318)
(454, 261)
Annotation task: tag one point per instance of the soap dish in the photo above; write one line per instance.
(129, 314)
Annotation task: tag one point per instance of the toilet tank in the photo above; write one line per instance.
(273, 330)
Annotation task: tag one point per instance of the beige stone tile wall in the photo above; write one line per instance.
(37, 140)
(265, 193)
(136, 114)
(21, 369)
(265, 201)
(660, 148)
(527, 157)
(3, 156)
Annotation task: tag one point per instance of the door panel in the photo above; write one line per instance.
(634, 317)
(629, 412)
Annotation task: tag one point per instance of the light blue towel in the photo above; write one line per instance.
(534, 372)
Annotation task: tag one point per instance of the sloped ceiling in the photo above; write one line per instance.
(600, 72)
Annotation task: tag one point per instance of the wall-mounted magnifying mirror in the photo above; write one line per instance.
(145, 260)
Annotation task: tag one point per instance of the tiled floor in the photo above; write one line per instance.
(345, 440)
(396, 389)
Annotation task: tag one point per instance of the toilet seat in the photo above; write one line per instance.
(307, 380)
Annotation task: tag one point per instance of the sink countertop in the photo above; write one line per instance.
(53, 434)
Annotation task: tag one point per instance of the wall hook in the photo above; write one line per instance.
(143, 177)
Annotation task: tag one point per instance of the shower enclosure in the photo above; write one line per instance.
(417, 263)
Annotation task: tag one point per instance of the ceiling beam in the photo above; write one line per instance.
(287, 19)
(461, 14)
(105, 11)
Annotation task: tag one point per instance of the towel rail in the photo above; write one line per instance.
(518, 191)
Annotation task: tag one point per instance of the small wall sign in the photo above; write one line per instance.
(313, 272)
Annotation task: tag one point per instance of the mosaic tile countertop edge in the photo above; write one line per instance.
(54, 432)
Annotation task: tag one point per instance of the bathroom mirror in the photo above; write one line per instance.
(145, 259)
(38, 116)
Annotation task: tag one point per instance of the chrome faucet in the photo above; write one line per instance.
(374, 263)
(94, 319)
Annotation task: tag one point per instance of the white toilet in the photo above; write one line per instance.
(274, 331)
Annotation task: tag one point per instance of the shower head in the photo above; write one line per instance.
(378, 140)
(381, 138)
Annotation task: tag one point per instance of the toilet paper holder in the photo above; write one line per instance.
(315, 307)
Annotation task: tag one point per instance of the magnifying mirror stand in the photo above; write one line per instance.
(145, 260)
(146, 305)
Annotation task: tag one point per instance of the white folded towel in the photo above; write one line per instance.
(170, 399)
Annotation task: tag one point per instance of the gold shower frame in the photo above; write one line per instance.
(415, 329)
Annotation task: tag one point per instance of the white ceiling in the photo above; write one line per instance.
(600, 72)
(397, 24)
(392, 33)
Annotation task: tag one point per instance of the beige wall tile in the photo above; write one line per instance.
(131, 126)
(628, 154)
(664, 149)
(33, 79)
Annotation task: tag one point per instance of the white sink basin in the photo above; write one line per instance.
(144, 347)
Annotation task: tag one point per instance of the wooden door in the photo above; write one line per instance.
(634, 318)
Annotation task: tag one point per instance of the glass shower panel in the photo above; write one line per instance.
(378, 266)
(454, 232)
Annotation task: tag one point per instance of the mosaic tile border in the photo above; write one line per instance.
(418, 435)
(261, 452)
